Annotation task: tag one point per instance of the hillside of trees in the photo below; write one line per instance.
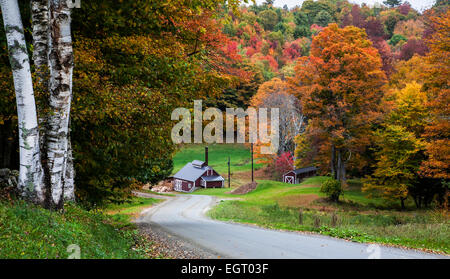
(367, 85)
(363, 90)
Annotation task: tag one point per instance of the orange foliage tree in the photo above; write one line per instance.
(437, 85)
(340, 87)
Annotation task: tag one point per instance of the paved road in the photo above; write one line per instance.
(184, 216)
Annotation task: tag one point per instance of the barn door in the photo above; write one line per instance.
(289, 179)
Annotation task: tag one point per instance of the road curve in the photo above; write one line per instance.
(184, 216)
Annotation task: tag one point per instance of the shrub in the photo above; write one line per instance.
(332, 188)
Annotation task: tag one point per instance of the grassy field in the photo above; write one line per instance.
(28, 231)
(218, 157)
(124, 213)
(277, 205)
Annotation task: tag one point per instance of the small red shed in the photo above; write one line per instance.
(197, 174)
(295, 176)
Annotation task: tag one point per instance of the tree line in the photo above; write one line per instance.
(365, 114)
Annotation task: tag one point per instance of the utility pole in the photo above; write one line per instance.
(229, 176)
(252, 160)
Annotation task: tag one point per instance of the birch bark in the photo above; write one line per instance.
(41, 36)
(40, 18)
(60, 85)
(30, 177)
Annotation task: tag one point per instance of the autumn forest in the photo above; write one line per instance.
(363, 90)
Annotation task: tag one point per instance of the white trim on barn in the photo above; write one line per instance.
(289, 179)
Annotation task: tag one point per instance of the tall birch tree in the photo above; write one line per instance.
(60, 85)
(43, 35)
(30, 177)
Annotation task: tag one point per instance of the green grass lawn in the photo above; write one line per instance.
(28, 231)
(358, 218)
(125, 212)
(218, 157)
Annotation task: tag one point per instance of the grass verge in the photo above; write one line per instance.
(125, 212)
(31, 232)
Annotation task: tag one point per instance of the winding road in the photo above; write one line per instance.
(184, 217)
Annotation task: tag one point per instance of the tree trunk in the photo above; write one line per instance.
(402, 202)
(69, 179)
(343, 172)
(333, 161)
(61, 68)
(40, 21)
(30, 177)
(339, 165)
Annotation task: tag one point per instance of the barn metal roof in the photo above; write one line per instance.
(198, 163)
(191, 173)
(303, 170)
(213, 178)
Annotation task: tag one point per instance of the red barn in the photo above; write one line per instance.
(197, 174)
(295, 176)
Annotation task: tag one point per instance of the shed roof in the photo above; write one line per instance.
(303, 170)
(190, 172)
(213, 178)
(198, 163)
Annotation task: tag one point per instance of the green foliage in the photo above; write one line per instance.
(392, 3)
(396, 39)
(301, 19)
(130, 75)
(269, 19)
(301, 31)
(400, 148)
(276, 37)
(323, 18)
(313, 8)
(332, 188)
(281, 26)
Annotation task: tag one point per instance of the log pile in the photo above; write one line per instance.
(163, 186)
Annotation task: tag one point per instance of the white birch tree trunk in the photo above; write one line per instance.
(41, 40)
(40, 21)
(30, 178)
(60, 84)
(69, 179)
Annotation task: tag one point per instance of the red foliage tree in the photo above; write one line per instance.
(357, 18)
(387, 57)
(374, 29)
(404, 8)
(284, 163)
(412, 47)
